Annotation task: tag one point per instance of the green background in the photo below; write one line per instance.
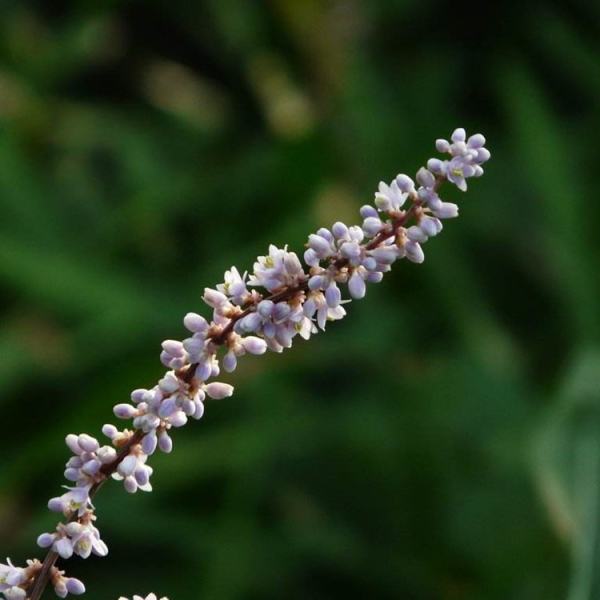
(443, 441)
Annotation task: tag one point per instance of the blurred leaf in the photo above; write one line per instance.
(568, 465)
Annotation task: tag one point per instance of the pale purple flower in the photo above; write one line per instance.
(134, 472)
(238, 346)
(277, 270)
(65, 585)
(10, 576)
(234, 287)
(76, 500)
(148, 597)
(76, 537)
(467, 157)
(84, 467)
(277, 322)
(458, 170)
(316, 306)
(390, 198)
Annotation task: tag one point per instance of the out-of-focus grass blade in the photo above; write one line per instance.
(570, 53)
(567, 462)
(66, 282)
(554, 195)
(24, 205)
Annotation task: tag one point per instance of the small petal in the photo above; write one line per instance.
(414, 252)
(64, 548)
(128, 465)
(333, 295)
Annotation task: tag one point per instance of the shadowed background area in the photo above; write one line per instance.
(443, 441)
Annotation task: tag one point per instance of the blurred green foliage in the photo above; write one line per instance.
(443, 442)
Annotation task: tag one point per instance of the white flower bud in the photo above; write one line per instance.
(124, 411)
(416, 234)
(217, 390)
(173, 347)
(88, 443)
(46, 540)
(230, 361)
(425, 178)
(195, 323)
(447, 210)
(165, 443)
(321, 246)
(149, 443)
(356, 286)
(74, 586)
(213, 298)
(254, 345)
(130, 484)
(72, 442)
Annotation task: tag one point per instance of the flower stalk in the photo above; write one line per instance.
(266, 310)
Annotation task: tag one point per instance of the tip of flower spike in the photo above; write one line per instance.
(459, 135)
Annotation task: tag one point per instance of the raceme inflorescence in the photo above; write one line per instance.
(265, 310)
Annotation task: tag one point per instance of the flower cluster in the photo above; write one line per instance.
(267, 309)
(148, 597)
(75, 537)
(11, 580)
(88, 458)
(468, 154)
(15, 581)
